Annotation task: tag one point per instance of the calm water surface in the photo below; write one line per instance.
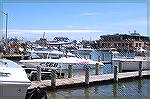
(133, 88)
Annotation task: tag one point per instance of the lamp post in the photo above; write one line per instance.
(6, 41)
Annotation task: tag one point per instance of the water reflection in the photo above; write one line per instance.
(96, 90)
(126, 88)
(86, 92)
(53, 95)
(115, 89)
(139, 82)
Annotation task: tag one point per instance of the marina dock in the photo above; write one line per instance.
(84, 80)
(16, 56)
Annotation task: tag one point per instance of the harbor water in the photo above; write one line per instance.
(136, 88)
(133, 88)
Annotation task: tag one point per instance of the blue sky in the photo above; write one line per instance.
(76, 20)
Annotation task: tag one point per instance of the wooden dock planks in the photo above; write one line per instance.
(81, 79)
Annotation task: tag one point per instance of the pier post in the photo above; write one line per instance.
(115, 73)
(111, 57)
(53, 79)
(87, 75)
(69, 71)
(97, 69)
(90, 56)
(30, 57)
(38, 73)
(140, 69)
(99, 58)
(22, 57)
(102, 57)
(120, 66)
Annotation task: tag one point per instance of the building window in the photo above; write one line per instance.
(115, 44)
(139, 44)
(136, 44)
(130, 45)
(122, 44)
(108, 44)
(102, 44)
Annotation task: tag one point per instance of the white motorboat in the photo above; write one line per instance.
(13, 80)
(132, 63)
(61, 63)
(82, 51)
(57, 59)
(44, 52)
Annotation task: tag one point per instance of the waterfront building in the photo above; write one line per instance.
(42, 42)
(123, 42)
(59, 42)
(61, 39)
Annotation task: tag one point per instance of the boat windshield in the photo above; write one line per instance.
(8, 63)
(41, 49)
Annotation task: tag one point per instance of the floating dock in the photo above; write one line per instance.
(84, 80)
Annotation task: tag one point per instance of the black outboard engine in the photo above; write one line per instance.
(36, 93)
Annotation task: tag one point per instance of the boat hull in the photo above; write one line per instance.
(128, 66)
(58, 65)
(11, 90)
(13, 80)
(75, 66)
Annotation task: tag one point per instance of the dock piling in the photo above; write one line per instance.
(22, 57)
(53, 79)
(69, 71)
(140, 69)
(97, 69)
(115, 73)
(38, 73)
(102, 57)
(120, 66)
(87, 75)
(99, 58)
(90, 56)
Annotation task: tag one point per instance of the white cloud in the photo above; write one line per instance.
(90, 14)
(69, 26)
(51, 31)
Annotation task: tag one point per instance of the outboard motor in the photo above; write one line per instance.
(36, 93)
